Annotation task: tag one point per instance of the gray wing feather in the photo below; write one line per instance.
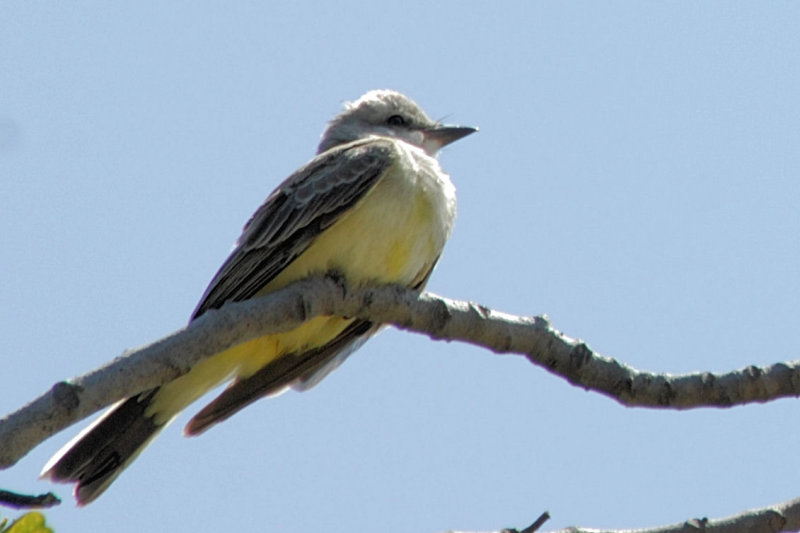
(308, 202)
(305, 204)
(275, 376)
(301, 371)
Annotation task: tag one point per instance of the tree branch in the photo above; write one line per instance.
(136, 370)
(27, 501)
(772, 519)
(783, 517)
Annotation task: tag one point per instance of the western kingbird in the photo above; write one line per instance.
(373, 206)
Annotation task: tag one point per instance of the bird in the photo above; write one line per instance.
(372, 207)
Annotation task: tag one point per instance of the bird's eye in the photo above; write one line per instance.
(396, 120)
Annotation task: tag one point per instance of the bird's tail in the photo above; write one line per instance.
(95, 458)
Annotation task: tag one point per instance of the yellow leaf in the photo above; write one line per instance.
(32, 522)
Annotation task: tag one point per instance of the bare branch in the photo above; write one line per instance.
(572, 359)
(150, 366)
(772, 519)
(783, 517)
(28, 501)
(440, 318)
(538, 523)
(70, 401)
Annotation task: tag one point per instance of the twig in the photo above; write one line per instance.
(70, 401)
(26, 501)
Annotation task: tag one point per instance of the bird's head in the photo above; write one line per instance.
(389, 113)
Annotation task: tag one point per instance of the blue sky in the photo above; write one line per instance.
(635, 178)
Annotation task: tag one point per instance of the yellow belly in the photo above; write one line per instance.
(393, 235)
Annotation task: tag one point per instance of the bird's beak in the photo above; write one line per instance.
(440, 135)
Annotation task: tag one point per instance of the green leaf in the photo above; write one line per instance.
(32, 522)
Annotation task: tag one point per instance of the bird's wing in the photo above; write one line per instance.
(301, 208)
(301, 370)
(309, 201)
(275, 377)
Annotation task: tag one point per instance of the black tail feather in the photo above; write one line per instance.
(102, 453)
